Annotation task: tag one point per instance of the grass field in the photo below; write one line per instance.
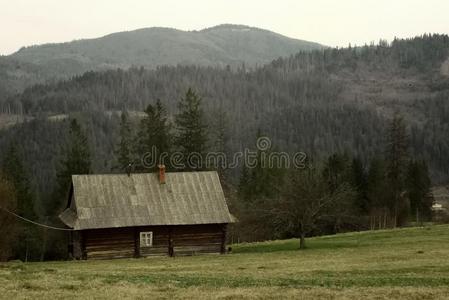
(411, 263)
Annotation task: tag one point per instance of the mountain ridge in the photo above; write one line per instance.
(149, 47)
(319, 103)
(218, 46)
(225, 26)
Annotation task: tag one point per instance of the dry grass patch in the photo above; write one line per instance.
(396, 264)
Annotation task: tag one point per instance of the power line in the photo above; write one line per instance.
(36, 223)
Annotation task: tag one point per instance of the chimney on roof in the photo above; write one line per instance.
(161, 174)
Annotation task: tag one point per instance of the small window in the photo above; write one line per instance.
(146, 239)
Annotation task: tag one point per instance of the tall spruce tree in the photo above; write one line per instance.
(337, 173)
(220, 142)
(154, 137)
(15, 171)
(124, 150)
(418, 185)
(263, 176)
(337, 170)
(8, 223)
(191, 130)
(76, 161)
(396, 158)
(28, 237)
(244, 187)
(359, 179)
(376, 193)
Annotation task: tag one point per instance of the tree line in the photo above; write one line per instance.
(326, 101)
(154, 131)
(337, 194)
(300, 102)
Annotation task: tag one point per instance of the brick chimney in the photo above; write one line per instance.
(161, 174)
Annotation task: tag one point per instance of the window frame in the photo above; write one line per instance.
(146, 239)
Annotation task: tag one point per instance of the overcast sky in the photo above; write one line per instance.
(330, 22)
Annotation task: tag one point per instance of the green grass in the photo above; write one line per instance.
(411, 263)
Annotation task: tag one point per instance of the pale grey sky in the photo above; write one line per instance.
(330, 22)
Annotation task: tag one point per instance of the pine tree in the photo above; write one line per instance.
(15, 171)
(244, 191)
(191, 138)
(376, 194)
(76, 161)
(337, 173)
(28, 238)
(125, 146)
(261, 179)
(396, 158)
(359, 181)
(154, 137)
(220, 141)
(220, 131)
(265, 178)
(8, 223)
(336, 170)
(419, 190)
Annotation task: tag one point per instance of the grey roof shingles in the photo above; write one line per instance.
(119, 200)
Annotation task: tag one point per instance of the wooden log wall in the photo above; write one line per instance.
(167, 240)
(197, 239)
(108, 243)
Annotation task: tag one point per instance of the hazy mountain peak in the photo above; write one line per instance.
(150, 47)
(232, 27)
(222, 45)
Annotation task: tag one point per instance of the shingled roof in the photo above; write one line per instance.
(110, 201)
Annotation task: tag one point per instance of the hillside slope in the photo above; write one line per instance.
(319, 102)
(218, 46)
(149, 47)
(406, 263)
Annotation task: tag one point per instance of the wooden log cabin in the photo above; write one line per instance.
(138, 215)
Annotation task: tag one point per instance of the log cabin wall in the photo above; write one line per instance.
(197, 239)
(166, 240)
(108, 243)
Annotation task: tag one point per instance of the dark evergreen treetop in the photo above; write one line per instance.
(124, 148)
(191, 128)
(154, 137)
(15, 171)
(77, 161)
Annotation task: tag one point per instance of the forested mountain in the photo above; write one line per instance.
(222, 45)
(336, 105)
(319, 102)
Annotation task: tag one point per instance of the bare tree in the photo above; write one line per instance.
(306, 199)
